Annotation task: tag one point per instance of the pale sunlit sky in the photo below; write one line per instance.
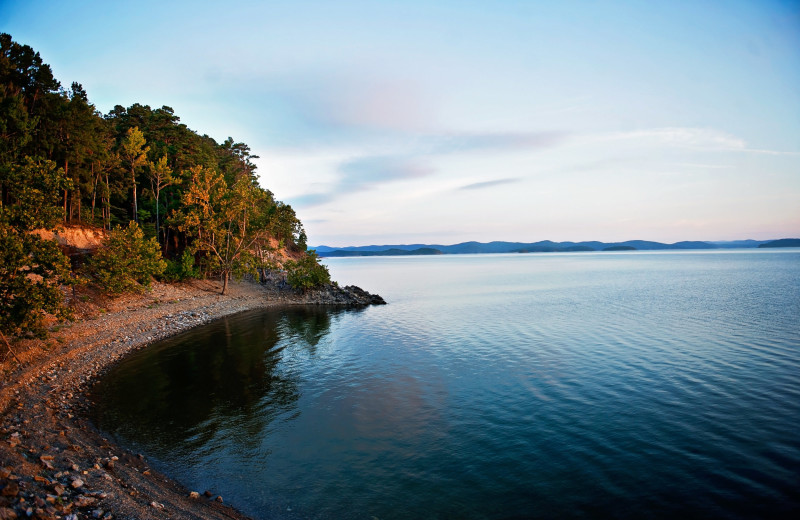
(442, 122)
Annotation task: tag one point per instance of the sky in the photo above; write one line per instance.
(448, 121)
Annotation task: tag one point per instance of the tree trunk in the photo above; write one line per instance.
(94, 192)
(66, 174)
(135, 205)
(158, 232)
(108, 204)
(224, 281)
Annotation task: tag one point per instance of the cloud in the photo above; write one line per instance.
(313, 199)
(367, 172)
(688, 137)
(489, 184)
(454, 142)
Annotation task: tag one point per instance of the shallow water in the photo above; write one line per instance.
(590, 385)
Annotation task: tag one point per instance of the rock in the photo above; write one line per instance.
(208, 493)
(11, 489)
(194, 494)
(218, 499)
(84, 501)
(7, 514)
(76, 483)
(58, 489)
(46, 461)
(97, 513)
(349, 295)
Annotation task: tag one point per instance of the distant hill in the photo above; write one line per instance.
(385, 252)
(620, 248)
(543, 246)
(784, 242)
(738, 243)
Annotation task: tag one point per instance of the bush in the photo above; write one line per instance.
(307, 273)
(181, 269)
(128, 261)
(31, 273)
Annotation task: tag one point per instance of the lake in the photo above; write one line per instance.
(584, 385)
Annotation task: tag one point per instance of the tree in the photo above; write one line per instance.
(134, 152)
(160, 178)
(32, 195)
(307, 272)
(128, 261)
(226, 223)
(31, 273)
(32, 269)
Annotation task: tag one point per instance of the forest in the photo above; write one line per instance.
(173, 204)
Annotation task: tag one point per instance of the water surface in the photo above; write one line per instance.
(622, 385)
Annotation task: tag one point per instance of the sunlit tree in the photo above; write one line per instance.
(134, 153)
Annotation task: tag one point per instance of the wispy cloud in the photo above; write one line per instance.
(414, 161)
(676, 136)
(489, 184)
(465, 142)
(313, 199)
(366, 172)
(688, 137)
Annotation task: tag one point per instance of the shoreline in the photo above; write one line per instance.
(53, 460)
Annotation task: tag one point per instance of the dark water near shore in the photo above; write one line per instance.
(627, 385)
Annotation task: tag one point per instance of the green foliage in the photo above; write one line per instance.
(227, 223)
(307, 273)
(31, 272)
(205, 195)
(128, 261)
(182, 268)
(33, 190)
(134, 152)
(31, 269)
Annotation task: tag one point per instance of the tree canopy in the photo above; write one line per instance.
(62, 162)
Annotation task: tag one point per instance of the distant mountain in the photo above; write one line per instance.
(543, 246)
(385, 252)
(784, 242)
(619, 248)
(738, 243)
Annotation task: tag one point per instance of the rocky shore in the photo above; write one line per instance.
(54, 464)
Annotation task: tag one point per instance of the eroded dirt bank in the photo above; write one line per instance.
(53, 462)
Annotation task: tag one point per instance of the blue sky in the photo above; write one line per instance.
(404, 122)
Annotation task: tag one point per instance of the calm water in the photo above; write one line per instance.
(623, 385)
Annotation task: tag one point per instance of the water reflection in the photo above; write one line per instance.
(176, 397)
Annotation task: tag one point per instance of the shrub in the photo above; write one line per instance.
(307, 273)
(127, 262)
(31, 273)
(182, 268)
